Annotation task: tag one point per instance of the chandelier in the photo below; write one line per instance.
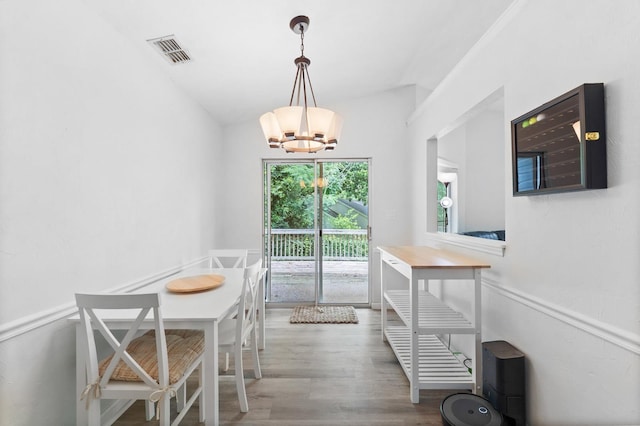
(301, 128)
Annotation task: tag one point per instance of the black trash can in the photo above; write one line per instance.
(467, 409)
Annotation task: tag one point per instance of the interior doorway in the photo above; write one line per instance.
(316, 231)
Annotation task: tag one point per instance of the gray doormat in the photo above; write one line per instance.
(323, 315)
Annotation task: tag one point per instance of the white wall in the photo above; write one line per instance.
(375, 127)
(566, 291)
(106, 178)
(484, 197)
(476, 147)
(452, 147)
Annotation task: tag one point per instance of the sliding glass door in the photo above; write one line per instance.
(316, 233)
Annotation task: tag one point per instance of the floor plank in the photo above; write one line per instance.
(320, 375)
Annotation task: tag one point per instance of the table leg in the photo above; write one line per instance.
(414, 340)
(211, 394)
(477, 318)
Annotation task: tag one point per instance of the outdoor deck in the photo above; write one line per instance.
(292, 281)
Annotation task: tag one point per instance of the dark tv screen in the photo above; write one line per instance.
(560, 145)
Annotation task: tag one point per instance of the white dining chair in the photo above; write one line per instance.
(241, 328)
(228, 258)
(148, 367)
(241, 331)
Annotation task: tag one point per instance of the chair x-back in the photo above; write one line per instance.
(228, 258)
(148, 367)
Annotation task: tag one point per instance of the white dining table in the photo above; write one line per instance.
(202, 310)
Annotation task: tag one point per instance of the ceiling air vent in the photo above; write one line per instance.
(169, 47)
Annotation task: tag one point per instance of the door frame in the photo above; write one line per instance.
(266, 242)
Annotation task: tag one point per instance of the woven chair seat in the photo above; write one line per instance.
(182, 352)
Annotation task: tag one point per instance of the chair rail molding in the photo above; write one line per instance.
(48, 316)
(612, 334)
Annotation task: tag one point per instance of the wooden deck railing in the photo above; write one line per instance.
(338, 244)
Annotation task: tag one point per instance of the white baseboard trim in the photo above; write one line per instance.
(612, 334)
(31, 322)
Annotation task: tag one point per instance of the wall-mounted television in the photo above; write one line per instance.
(561, 145)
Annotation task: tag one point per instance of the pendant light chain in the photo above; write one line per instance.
(302, 77)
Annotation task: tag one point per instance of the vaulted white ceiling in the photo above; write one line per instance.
(243, 50)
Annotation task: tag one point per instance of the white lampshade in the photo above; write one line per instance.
(319, 122)
(335, 129)
(447, 177)
(289, 119)
(270, 127)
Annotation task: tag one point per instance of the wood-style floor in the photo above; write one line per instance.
(320, 375)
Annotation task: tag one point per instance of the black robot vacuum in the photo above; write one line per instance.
(466, 409)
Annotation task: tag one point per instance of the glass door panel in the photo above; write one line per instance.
(316, 231)
(290, 230)
(344, 225)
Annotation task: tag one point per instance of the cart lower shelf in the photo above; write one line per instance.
(433, 313)
(438, 368)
